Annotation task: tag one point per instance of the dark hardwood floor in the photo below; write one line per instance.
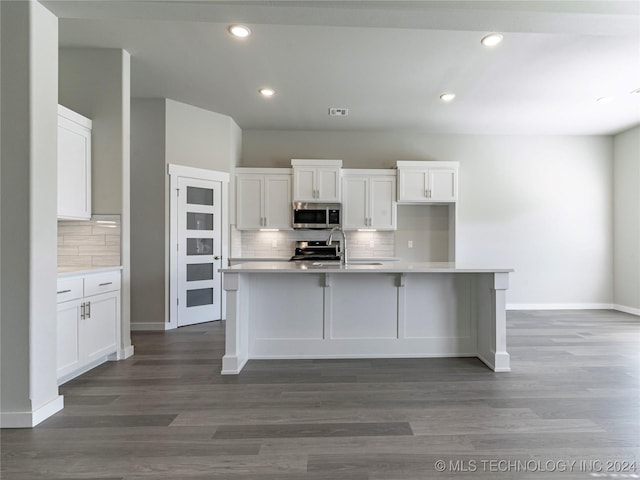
(573, 396)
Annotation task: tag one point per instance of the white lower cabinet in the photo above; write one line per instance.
(88, 323)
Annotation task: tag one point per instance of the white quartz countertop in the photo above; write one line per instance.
(65, 272)
(378, 267)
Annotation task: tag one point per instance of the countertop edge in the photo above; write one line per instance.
(389, 267)
(88, 271)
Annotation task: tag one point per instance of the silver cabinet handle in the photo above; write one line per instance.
(64, 291)
(88, 310)
(105, 283)
(82, 314)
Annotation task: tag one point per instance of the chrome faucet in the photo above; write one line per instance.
(343, 244)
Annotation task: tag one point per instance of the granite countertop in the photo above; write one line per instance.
(369, 267)
(69, 272)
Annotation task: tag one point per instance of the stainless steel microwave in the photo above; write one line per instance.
(316, 215)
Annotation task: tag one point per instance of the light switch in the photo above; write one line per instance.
(410, 244)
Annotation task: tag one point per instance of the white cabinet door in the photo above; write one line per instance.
(98, 329)
(369, 200)
(413, 185)
(382, 210)
(263, 201)
(328, 184)
(355, 209)
(250, 214)
(277, 201)
(304, 184)
(68, 341)
(428, 184)
(442, 185)
(74, 166)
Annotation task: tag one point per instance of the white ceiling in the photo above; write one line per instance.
(386, 61)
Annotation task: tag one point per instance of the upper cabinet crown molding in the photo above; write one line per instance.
(427, 182)
(74, 165)
(316, 180)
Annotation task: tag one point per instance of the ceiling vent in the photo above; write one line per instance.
(338, 112)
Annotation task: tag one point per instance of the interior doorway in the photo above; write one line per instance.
(199, 244)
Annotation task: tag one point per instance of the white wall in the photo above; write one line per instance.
(148, 173)
(199, 138)
(167, 132)
(29, 391)
(539, 204)
(626, 220)
(95, 82)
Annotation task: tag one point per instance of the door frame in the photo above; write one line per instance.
(179, 171)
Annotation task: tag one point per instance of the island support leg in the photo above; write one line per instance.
(237, 328)
(502, 362)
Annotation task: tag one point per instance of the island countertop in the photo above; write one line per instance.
(357, 267)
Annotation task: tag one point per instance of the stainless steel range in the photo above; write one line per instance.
(316, 251)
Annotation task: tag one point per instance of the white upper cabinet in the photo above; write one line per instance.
(263, 198)
(74, 165)
(316, 180)
(427, 182)
(369, 199)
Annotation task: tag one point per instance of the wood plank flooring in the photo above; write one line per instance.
(167, 413)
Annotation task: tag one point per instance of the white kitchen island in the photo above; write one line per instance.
(298, 310)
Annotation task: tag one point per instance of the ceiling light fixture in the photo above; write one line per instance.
(636, 91)
(447, 97)
(604, 100)
(267, 92)
(491, 40)
(239, 31)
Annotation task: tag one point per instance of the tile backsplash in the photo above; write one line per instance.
(281, 244)
(88, 244)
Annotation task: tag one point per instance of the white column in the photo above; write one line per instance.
(501, 357)
(29, 390)
(237, 328)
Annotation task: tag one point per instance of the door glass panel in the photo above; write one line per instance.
(199, 246)
(199, 196)
(199, 221)
(199, 271)
(201, 296)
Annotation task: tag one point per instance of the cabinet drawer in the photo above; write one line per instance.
(104, 282)
(69, 289)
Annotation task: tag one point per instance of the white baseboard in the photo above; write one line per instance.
(559, 306)
(625, 309)
(31, 419)
(126, 353)
(150, 326)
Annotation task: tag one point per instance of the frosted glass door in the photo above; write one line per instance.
(199, 251)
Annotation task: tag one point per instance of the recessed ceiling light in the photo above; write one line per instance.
(491, 40)
(239, 31)
(447, 97)
(604, 100)
(267, 92)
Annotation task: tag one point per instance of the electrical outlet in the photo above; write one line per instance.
(371, 243)
(410, 244)
(274, 243)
